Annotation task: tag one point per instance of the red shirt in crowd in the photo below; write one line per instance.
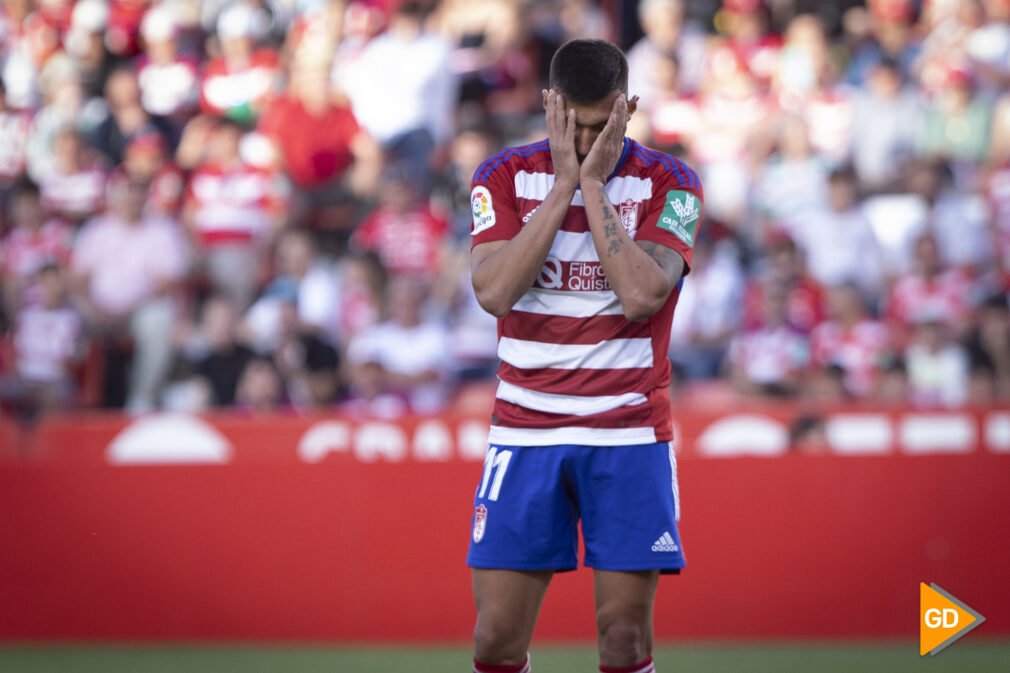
(316, 149)
(238, 91)
(406, 242)
(233, 204)
(916, 298)
(859, 350)
(77, 195)
(805, 305)
(24, 251)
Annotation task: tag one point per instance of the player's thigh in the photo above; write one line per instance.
(628, 499)
(507, 602)
(524, 517)
(624, 604)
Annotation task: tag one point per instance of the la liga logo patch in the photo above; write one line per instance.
(680, 215)
(482, 209)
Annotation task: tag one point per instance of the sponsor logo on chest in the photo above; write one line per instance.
(572, 276)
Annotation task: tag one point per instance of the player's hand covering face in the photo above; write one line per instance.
(607, 148)
(561, 134)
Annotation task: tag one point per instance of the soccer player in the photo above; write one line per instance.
(580, 242)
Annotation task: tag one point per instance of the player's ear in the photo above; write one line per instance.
(544, 93)
(632, 105)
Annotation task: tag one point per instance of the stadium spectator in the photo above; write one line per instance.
(470, 147)
(260, 387)
(126, 117)
(792, 185)
(930, 292)
(233, 210)
(785, 267)
(750, 38)
(497, 48)
(307, 363)
(418, 374)
(838, 242)
(996, 191)
(672, 117)
(708, 311)
(888, 118)
(216, 354)
(85, 42)
(988, 47)
(75, 189)
(29, 40)
(988, 348)
(15, 126)
(240, 81)
(363, 281)
(317, 138)
(892, 387)
(668, 33)
(957, 121)
(49, 343)
(34, 242)
(63, 106)
(771, 358)
(968, 245)
(147, 160)
(736, 112)
(168, 79)
(937, 366)
(886, 31)
(404, 230)
(851, 341)
(413, 62)
(128, 263)
(809, 86)
(306, 281)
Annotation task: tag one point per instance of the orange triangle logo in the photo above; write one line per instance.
(943, 619)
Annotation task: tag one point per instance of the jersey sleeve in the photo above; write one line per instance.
(673, 214)
(493, 206)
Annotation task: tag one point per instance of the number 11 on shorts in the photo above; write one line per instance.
(497, 462)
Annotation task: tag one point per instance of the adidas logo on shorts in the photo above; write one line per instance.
(665, 543)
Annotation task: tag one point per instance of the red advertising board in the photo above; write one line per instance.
(338, 529)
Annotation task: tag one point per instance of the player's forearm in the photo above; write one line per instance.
(638, 281)
(504, 276)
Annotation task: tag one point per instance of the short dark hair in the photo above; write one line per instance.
(587, 71)
(25, 187)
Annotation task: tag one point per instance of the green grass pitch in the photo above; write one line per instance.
(871, 657)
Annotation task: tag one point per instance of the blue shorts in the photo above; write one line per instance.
(530, 499)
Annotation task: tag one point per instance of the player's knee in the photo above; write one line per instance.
(623, 641)
(497, 641)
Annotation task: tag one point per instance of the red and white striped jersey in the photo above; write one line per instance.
(916, 298)
(24, 251)
(859, 350)
(15, 129)
(573, 369)
(233, 204)
(47, 340)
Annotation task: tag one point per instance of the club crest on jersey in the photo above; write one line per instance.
(628, 212)
(479, 522)
(483, 211)
(680, 215)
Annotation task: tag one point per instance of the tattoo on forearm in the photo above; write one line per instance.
(610, 225)
(669, 260)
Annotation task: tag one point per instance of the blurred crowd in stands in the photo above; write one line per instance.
(265, 204)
